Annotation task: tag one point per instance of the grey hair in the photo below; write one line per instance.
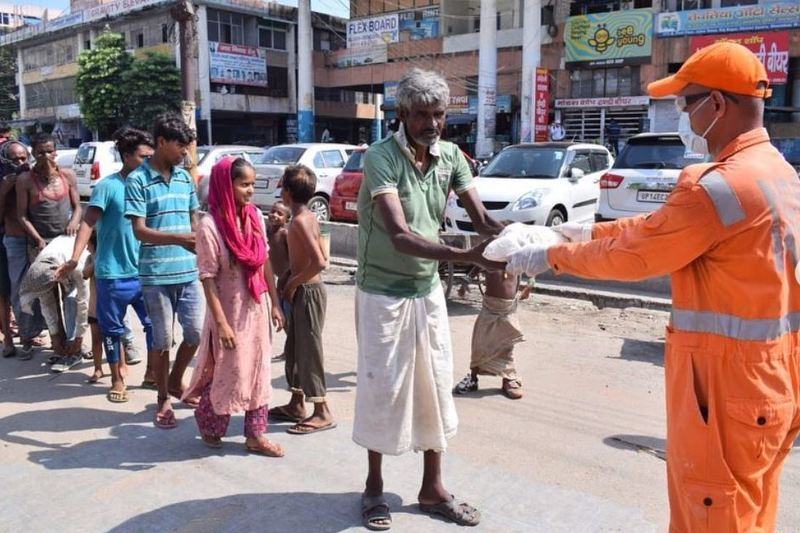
(420, 87)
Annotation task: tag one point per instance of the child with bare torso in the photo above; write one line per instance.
(305, 292)
(494, 335)
(278, 235)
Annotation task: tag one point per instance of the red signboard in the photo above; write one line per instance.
(541, 102)
(772, 48)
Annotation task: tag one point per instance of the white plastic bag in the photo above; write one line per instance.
(516, 236)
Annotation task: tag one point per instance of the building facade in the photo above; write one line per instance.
(596, 61)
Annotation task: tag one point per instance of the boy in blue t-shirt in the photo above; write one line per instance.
(116, 264)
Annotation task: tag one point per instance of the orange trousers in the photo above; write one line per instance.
(732, 418)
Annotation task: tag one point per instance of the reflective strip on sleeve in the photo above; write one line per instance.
(724, 198)
(777, 241)
(744, 329)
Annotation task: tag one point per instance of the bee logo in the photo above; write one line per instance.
(602, 39)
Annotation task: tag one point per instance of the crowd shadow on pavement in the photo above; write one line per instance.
(134, 443)
(643, 351)
(270, 512)
(34, 383)
(333, 382)
(639, 443)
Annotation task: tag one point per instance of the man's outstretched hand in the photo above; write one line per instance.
(475, 255)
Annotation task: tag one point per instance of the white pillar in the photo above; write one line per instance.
(291, 67)
(204, 68)
(305, 73)
(531, 58)
(487, 79)
(23, 101)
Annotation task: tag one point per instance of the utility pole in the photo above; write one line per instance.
(183, 14)
(487, 79)
(531, 58)
(305, 73)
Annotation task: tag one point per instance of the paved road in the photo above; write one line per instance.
(581, 451)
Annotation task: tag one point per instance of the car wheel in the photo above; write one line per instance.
(320, 207)
(555, 218)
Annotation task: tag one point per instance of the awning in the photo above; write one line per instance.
(461, 119)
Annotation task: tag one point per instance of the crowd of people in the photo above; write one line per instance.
(727, 235)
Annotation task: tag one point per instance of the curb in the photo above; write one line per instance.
(600, 298)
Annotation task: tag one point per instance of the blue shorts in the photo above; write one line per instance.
(113, 298)
(165, 302)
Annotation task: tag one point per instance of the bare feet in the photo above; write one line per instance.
(96, 376)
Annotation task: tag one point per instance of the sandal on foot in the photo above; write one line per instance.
(53, 359)
(461, 513)
(117, 396)
(94, 378)
(212, 442)
(149, 384)
(270, 449)
(166, 420)
(374, 509)
(279, 413)
(512, 389)
(306, 429)
(9, 351)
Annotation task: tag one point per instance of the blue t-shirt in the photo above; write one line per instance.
(117, 247)
(165, 207)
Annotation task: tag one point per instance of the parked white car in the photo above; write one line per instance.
(326, 160)
(65, 157)
(643, 175)
(94, 161)
(541, 183)
(208, 156)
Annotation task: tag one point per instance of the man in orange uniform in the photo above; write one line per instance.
(730, 236)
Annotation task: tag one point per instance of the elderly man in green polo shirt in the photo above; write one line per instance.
(405, 361)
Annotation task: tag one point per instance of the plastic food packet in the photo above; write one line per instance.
(517, 236)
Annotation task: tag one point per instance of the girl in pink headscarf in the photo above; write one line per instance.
(233, 369)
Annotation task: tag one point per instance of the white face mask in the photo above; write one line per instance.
(694, 143)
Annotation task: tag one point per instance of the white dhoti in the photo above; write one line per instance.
(404, 397)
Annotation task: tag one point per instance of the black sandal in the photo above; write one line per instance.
(373, 510)
(461, 513)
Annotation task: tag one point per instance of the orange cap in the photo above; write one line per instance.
(725, 66)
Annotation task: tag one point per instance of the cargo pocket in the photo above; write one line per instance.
(710, 506)
(755, 433)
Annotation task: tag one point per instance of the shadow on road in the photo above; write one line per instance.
(643, 351)
(639, 443)
(334, 382)
(286, 511)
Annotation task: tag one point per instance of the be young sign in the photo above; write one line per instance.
(373, 31)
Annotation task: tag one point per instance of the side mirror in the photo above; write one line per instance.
(576, 173)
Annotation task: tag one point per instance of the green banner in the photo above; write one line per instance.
(609, 39)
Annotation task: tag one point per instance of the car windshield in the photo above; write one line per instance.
(526, 162)
(656, 153)
(355, 163)
(282, 155)
(85, 155)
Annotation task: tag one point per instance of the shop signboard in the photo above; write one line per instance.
(420, 24)
(362, 55)
(772, 48)
(616, 101)
(390, 93)
(770, 16)
(541, 109)
(458, 105)
(65, 21)
(602, 39)
(238, 65)
(373, 31)
(116, 8)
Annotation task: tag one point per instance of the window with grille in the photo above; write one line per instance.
(599, 83)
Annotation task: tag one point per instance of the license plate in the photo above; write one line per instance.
(351, 206)
(656, 197)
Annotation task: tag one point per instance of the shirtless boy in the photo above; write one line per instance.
(305, 292)
(277, 235)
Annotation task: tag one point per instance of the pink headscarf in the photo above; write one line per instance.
(247, 244)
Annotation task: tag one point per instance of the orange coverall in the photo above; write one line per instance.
(730, 236)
